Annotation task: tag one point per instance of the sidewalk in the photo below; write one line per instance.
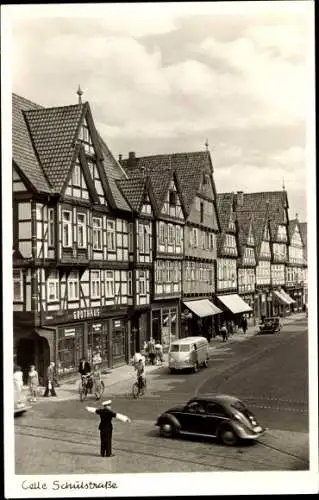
(121, 378)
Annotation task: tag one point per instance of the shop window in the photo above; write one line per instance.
(67, 228)
(17, 285)
(73, 286)
(111, 236)
(69, 349)
(95, 285)
(97, 233)
(98, 344)
(53, 287)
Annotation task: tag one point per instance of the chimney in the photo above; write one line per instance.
(131, 159)
(240, 198)
(120, 157)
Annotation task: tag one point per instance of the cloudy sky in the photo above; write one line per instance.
(162, 78)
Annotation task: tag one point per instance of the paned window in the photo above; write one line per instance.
(111, 235)
(51, 227)
(67, 228)
(109, 284)
(97, 233)
(17, 285)
(73, 286)
(95, 285)
(53, 288)
(81, 230)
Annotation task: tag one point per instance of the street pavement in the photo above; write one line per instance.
(268, 372)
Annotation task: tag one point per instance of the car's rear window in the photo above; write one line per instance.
(180, 348)
(238, 405)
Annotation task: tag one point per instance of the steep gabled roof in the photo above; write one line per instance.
(225, 203)
(274, 200)
(245, 221)
(53, 132)
(114, 172)
(134, 190)
(23, 154)
(160, 170)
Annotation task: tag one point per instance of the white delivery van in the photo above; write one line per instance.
(190, 352)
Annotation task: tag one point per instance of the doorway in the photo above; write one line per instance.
(26, 356)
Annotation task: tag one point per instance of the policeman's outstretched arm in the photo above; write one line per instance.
(90, 409)
(123, 418)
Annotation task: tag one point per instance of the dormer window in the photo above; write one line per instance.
(172, 198)
(205, 179)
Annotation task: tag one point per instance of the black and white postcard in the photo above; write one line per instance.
(159, 249)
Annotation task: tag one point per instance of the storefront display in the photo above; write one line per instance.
(98, 344)
(118, 342)
(164, 325)
(69, 349)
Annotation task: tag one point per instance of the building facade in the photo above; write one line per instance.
(70, 242)
(294, 285)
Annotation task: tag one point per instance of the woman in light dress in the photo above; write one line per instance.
(33, 380)
(18, 378)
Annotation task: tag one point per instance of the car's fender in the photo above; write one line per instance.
(170, 418)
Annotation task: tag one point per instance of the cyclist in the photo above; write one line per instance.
(85, 372)
(141, 379)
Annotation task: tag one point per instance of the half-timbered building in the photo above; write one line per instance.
(277, 204)
(228, 253)
(195, 174)
(70, 239)
(138, 192)
(295, 267)
(168, 244)
(263, 268)
(303, 231)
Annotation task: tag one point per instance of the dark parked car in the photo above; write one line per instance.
(221, 416)
(270, 325)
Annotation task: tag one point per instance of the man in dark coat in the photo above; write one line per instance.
(84, 369)
(244, 324)
(50, 381)
(106, 427)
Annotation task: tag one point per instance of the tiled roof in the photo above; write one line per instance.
(160, 171)
(224, 206)
(274, 200)
(22, 150)
(260, 222)
(114, 172)
(53, 131)
(133, 189)
(244, 222)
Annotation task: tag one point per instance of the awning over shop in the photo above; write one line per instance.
(287, 297)
(234, 303)
(202, 308)
(281, 298)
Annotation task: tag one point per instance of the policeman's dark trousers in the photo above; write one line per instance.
(106, 442)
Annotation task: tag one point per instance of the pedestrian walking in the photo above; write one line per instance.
(151, 351)
(49, 387)
(224, 332)
(105, 427)
(244, 324)
(33, 382)
(158, 352)
(18, 378)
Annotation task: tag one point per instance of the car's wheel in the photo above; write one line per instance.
(205, 364)
(167, 429)
(195, 368)
(228, 436)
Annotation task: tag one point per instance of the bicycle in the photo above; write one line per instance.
(138, 389)
(98, 387)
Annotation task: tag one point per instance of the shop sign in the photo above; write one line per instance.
(86, 313)
(69, 332)
(97, 327)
